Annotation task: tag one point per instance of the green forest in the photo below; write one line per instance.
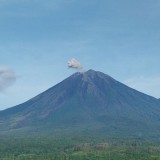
(76, 148)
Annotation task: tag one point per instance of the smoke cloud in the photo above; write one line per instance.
(73, 63)
(7, 77)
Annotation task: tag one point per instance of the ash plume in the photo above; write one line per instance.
(7, 77)
(73, 63)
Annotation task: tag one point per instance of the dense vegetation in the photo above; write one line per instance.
(76, 148)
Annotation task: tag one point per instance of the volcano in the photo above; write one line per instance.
(88, 102)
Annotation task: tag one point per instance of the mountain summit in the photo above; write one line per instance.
(89, 101)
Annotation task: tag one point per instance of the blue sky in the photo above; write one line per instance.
(118, 37)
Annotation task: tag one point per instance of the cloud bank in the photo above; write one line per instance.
(73, 63)
(7, 77)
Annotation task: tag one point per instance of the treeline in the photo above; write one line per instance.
(77, 149)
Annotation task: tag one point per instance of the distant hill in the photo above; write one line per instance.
(89, 102)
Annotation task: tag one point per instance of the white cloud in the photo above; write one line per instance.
(147, 85)
(7, 77)
(73, 63)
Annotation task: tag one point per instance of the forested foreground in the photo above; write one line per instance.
(74, 149)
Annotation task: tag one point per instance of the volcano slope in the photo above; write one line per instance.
(86, 103)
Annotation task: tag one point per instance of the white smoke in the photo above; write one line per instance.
(73, 63)
(7, 77)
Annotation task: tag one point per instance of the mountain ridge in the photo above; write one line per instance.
(89, 99)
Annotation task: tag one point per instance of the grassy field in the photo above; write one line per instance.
(76, 148)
